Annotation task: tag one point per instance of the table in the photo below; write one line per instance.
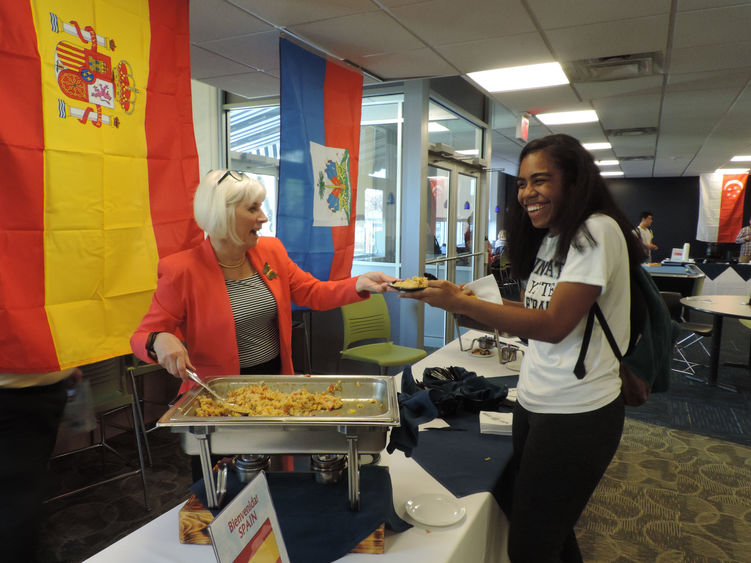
(719, 306)
(480, 537)
(686, 279)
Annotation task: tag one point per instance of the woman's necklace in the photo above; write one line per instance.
(240, 264)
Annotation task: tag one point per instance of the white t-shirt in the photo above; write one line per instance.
(646, 237)
(547, 383)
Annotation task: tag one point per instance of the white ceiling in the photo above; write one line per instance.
(699, 100)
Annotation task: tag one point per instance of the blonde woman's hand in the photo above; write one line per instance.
(374, 282)
(172, 355)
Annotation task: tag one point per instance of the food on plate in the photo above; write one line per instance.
(481, 352)
(415, 282)
(260, 400)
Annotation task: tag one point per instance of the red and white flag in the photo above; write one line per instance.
(720, 207)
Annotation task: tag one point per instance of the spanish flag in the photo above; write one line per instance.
(321, 104)
(99, 164)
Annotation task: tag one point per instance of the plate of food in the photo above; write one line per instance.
(482, 352)
(435, 509)
(415, 283)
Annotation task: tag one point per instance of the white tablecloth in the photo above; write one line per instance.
(480, 537)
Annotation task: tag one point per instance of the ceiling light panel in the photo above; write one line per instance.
(567, 117)
(596, 146)
(606, 162)
(524, 77)
(611, 173)
(741, 158)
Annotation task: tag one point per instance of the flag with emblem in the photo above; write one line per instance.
(99, 164)
(321, 104)
(720, 206)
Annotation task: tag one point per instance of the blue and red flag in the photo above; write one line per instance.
(321, 103)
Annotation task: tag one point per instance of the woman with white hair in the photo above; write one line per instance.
(228, 299)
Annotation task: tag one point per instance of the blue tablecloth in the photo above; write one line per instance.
(463, 460)
(316, 521)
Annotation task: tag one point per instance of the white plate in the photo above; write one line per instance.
(435, 509)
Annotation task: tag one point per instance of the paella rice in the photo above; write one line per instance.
(260, 400)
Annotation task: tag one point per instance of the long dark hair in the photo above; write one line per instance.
(585, 193)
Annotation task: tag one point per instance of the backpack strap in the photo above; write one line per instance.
(579, 370)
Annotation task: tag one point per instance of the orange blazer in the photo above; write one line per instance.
(191, 301)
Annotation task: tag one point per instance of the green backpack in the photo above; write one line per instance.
(646, 366)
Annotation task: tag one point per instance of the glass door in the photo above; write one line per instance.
(451, 237)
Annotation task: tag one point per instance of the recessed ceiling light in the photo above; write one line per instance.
(606, 162)
(520, 77)
(469, 152)
(597, 146)
(741, 158)
(564, 117)
(724, 171)
(435, 127)
(612, 173)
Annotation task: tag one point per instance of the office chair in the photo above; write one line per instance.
(696, 331)
(369, 320)
(109, 396)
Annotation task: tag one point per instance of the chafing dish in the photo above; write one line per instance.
(369, 409)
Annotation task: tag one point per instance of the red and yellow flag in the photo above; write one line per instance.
(99, 164)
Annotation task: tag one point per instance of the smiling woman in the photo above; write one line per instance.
(574, 248)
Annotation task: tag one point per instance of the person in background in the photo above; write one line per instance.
(31, 408)
(644, 232)
(224, 307)
(574, 248)
(744, 239)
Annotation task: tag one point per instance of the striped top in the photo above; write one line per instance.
(255, 313)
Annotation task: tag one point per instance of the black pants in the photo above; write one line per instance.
(271, 367)
(29, 419)
(558, 459)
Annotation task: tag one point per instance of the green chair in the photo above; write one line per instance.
(369, 320)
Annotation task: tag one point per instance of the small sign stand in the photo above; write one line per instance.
(247, 530)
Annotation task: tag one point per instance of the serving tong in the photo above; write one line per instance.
(229, 404)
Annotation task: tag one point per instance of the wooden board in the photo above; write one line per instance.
(194, 518)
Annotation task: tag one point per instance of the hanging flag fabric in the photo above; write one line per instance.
(99, 164)
(720, 207)
(319, 149)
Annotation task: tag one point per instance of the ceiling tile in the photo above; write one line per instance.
(711, 57)
(205, 64)
(250, 85)
(611, 88)
(406, 64)
(580, 131)
(359, 35)
(607, 39)
(708, 80)
(555, 98)
(260, 50)
(444, 22)
(215, 19)
(640, 145)
(293, 12)
(710, 27)
(637, 168)
(627, 112)
(687, 5)
(568, 13)
(497, 52)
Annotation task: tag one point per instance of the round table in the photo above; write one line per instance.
(719, 306)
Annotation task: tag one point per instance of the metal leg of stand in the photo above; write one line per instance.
(208, 474)
(353, 472)
(138, 412)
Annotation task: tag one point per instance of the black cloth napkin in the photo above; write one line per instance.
(315, 519)
(455, 388)
(415, 408)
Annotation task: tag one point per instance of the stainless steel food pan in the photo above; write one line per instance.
(369, 408)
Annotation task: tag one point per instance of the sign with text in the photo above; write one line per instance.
(247, 530)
